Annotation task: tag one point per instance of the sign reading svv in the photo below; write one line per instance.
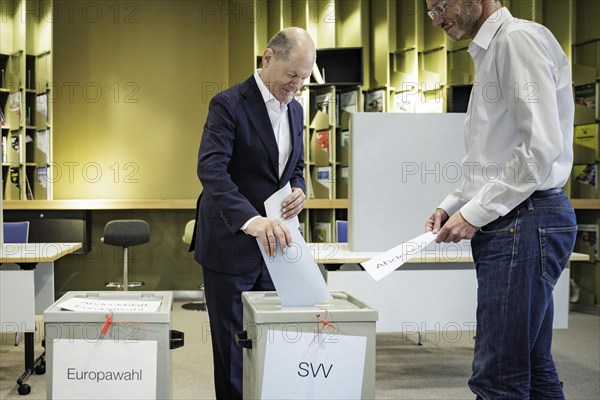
(314, 367)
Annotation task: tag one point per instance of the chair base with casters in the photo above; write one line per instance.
(196, 305)
(126, 233)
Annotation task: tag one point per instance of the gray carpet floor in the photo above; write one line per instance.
(439, 369)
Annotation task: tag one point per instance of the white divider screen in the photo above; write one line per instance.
(401, 168)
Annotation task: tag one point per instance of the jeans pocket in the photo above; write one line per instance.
(556, 245)
(501, 224)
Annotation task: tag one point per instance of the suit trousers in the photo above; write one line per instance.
(223, 296)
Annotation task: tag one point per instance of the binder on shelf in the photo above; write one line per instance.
(322, 182)
(584, 181)
(586, 144)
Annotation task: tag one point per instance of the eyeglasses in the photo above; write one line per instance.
(438, 10)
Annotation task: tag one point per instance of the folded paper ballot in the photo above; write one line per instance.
(387, 262)
(295, 274)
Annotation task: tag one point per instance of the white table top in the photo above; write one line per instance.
(35, 252)
(339, 253)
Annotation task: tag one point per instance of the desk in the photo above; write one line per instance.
(26, 291)
(432, 292)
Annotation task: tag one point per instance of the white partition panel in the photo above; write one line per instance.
(401, 168)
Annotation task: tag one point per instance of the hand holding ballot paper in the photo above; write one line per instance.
(295, 274)
(387, 262)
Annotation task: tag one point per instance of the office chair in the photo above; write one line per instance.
(188, 233)
(126, 233)
(16, 232)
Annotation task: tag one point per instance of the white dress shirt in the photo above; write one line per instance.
(519, 125)
(278, 116)
(279, 120)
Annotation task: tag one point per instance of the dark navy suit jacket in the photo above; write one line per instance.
(238, 169)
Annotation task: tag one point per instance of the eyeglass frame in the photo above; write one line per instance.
(439, 9)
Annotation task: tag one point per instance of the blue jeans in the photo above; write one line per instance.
(519, 258)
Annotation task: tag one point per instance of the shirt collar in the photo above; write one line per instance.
(268, 98)
(490, 26)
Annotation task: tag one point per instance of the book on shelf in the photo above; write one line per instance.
(42, 147)
(322, 102)
(28, 190)
(586, 103)
(341, 182)
(320, 149)
(341, 231)
(322, 232)
(342, 147)
(404, 102)
(322, 182)
(14, 104)
(584, 181)
(585, 95)
(375, 100)
(586, 144)
(42, 177)
(3, 121)
(587, 240)
(347, 104)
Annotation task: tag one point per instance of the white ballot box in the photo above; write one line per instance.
(322, 352)
(103, 345)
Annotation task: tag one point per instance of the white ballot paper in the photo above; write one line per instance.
(296, 276)
(387, 262)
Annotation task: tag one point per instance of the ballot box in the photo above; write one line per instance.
(322, 352)
(110, 345)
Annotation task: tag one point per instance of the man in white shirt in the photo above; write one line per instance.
(518, 139)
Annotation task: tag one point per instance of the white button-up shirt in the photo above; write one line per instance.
(519, 125)
(279, 120)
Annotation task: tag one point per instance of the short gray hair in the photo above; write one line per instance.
(282, 45)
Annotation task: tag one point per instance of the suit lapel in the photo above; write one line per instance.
(257, 113)
(293, 145)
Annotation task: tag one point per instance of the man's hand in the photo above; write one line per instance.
(293, 204)
(455, 229)
(437, 219)
(270, 231)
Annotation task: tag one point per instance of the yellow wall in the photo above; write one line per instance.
(132, 81)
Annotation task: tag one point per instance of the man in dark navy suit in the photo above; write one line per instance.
(251, 147)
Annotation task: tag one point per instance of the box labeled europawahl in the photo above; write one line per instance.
(321, 352)
(103, 345)
(584, 181)
(586, 144)
(587, 240)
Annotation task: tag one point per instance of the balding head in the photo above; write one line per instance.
(287, 61)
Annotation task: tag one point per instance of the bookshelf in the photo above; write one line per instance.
(25, 99)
